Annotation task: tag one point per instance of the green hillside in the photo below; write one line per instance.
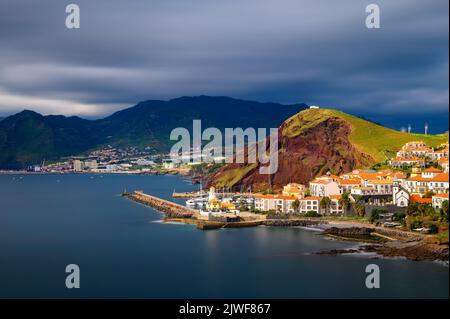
(29, 138)
(370, 138)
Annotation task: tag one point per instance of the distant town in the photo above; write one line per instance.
(114, 160)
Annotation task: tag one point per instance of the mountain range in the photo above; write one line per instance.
(317, 141)
(29, 137)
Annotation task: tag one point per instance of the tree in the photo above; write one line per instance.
(307, 193)
(243, 206)
(359, 206)
(398, 216)
(344, 201)
(412, 209)
(295, 205)
(375, 215)
(433, 229)
(325, 203)
(428, 194)
(444, 211)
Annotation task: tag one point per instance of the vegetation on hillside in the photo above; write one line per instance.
(375, 140)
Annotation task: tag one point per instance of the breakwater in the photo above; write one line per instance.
(170, 209)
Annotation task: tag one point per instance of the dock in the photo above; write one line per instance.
(199, 194)
(171, 209)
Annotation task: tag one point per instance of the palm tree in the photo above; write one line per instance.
(359, 206)
(325, 203)
(295, 205)
(344, 201)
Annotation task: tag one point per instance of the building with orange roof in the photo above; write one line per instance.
(437, 155)
(402, 161)
(415, 144)
(277, 203)
(346, 185)
(294, 189)
(324, 187)
(381, 186)
(443, 163)
(419, 200)
(428, 181)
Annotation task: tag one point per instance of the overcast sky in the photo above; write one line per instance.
(317, 52)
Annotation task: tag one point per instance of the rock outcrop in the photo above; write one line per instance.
(316, 149)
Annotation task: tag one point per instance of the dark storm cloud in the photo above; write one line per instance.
(318, 52)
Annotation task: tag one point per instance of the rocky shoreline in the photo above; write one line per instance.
(419, 248)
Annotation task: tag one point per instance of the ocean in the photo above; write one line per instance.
(124, 251)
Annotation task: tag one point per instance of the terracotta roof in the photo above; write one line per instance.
(441, 195)
(294, 185)
(276, 196)
(420, 200)
(408, 159)
(319, 182)
(312, 198)
(442, 177)
(367, 176)
(365, 188)
(441, 151)
(331, 176)
(381, 181)
(433, 170)
(349, 181)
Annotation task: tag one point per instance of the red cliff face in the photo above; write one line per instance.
(318, 149)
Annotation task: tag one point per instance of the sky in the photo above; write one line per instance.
(318, 52)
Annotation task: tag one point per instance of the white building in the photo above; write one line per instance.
(430, 180)
(443, 163)
(438, 199)
(78, 166)
(309, 204)
(400, 196)
(92, 164)
(277, 203)
(335, 208)
(325, 185)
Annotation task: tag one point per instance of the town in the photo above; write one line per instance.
(418, 178)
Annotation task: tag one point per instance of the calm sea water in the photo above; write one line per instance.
(49, 221)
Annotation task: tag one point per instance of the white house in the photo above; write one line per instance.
(400, 196)
(309, 204)
(325, 185)
(438, 199)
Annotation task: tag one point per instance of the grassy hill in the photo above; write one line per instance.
(378, 141)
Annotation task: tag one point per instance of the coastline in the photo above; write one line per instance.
(383, 241)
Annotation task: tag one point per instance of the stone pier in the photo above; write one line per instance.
(170, 209)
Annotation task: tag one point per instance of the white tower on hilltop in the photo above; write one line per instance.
(409, 128)
(426, 128)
